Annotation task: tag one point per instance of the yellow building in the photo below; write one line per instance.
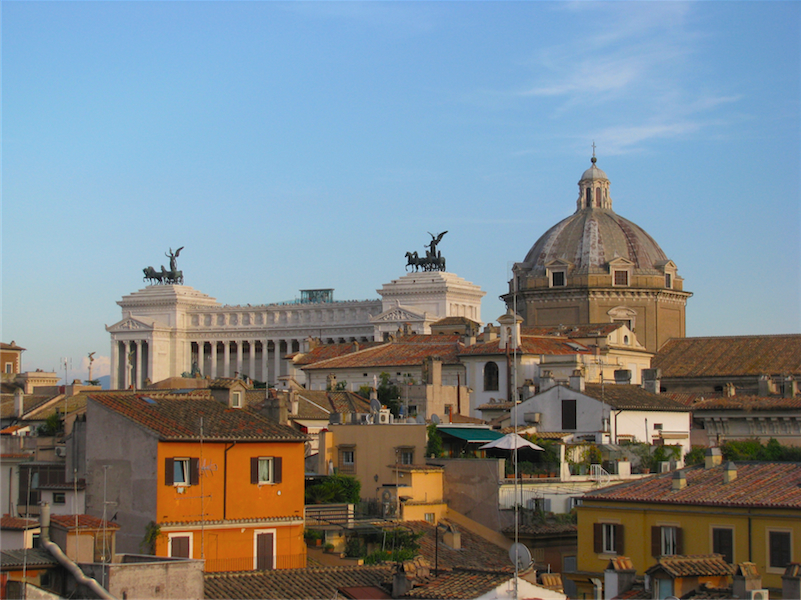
(748, 511)
(420, 492)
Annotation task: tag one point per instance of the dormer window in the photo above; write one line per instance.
(236, 399)
(558, 279)
(621, 277)
(668, 281)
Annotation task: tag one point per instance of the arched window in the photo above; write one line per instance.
(491, 377)
(598, 197)
(589, 198)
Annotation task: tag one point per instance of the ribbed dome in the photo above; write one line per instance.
(592, 237)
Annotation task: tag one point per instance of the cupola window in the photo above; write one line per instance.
(589, 198)
(558, 279)
(668, 281)
(621, 277)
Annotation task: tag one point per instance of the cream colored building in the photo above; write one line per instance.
(597, 267)
(168, 330)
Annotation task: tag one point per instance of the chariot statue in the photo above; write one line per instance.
(432, 261)
(165, 277)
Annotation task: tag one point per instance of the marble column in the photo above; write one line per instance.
(214, 360)
(252, 356)
(115, 365)
(138, 379)
(126, 380)
(264, 360)
(239, 357)
(277, 360)
(201, 349)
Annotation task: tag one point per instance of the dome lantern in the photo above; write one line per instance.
(593, 188)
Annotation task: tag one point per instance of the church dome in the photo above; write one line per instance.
(594, 235)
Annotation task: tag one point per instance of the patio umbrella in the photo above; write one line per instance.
(511, 441)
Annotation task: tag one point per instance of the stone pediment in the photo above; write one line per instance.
(398, 314)
(132, 324)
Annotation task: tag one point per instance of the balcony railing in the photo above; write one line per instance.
(247, 563)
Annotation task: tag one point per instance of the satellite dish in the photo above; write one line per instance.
(375, 406)
(435, 420)
(420, 419)
(520, 556)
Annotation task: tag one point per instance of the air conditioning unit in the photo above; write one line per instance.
(532, 417)
(758, 595)
(385, 416)
(61, 451)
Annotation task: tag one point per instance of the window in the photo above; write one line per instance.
(9, 367)
(668, 281)
(608, 538)
(59, 498)
(180, 544)
(780, 549)
(569, 565)
(573, 502)
(558, 279)
(568, 414)
(621, 277)
(236, 399)
(181, 471)
(666, 541)
(430, 517)
(265, 469)
(407, 457)
(723, 543)
(491, 377)
(658, 426)
(347, 459)
(664, 588)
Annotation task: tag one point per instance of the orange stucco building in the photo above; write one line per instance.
(206, 477)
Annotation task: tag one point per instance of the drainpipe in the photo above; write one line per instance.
(75, 570)
(225, 480)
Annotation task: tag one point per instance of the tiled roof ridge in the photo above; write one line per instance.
(730, 337)
(321, 363)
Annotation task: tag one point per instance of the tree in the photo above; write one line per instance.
(52, 426)
(335, 489)
(388, 393)
(434, 446)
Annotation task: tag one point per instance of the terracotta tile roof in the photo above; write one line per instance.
(15, 559)
(691, 398)
(708, 592)
(758, 484)
(8, 522)
(4, 346)
(497, 406)
(476, 552)
(751, 355)
(73, 404)
(225, 383)
(84, 522)
(631, 397)
(457, 418)
(559, 345)
(748, 403)
(11, 429)
(693, 565)
(542, 435)
(292, 584)
(29, 403)
(335, 402)
(455, 321)
(328, 351)
(282, 518)
(620, 563)
(587, 330)
(460, 584)
(408, 350)
(177, 417)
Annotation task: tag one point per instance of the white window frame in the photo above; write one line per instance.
(236, 399)
(185, 472)
(668, 540)
(430, 517)
(608, 542)
(793, 558)
(188, 534)
(269, 460)
(9, 367)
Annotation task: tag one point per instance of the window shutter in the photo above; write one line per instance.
(598, 538)
(277, 469)
(169, 471)
(194, 471)
(254, 469)
(547, 504)
(656, 541)
(619, 546)
(679, 540)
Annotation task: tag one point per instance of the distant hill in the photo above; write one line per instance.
(105, 382)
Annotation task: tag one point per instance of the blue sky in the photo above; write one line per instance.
(303, 145)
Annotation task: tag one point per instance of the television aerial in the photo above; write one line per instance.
(520, 556)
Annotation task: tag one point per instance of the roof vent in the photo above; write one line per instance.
(679, 481)
(730, 472)
(712, 458)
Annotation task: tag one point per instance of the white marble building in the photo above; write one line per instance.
(167, 330)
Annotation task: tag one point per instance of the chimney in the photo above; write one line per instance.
(790, 387)
(452, 538)
(275, 408)
(619, 577)
(293, 402)
(577, 380)
(765, 385)
(712, 458)
(622, 376)
(651, 380)
(729, 472)
(791, 581)
(729, 390)
(433, 370)
(18, 403)
(546, 380)
(331, 382)
(678, 481)
(747, 578)
(489, 335)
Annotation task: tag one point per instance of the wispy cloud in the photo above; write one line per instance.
(634, 66)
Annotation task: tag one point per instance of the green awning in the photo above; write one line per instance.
(470, 434)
